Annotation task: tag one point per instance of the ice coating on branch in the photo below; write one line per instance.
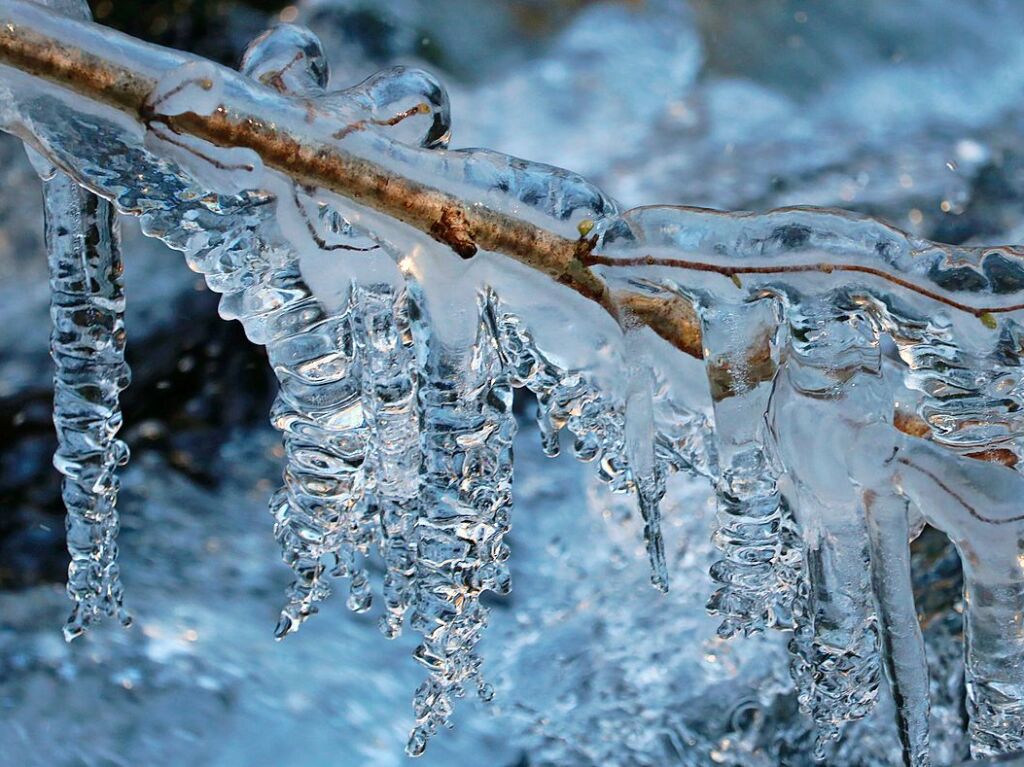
(87, 345)
(75, 9)
(978, 505)
(466, 399)
(960, 357)
(794, 245)
(971, 392)
(197, 87)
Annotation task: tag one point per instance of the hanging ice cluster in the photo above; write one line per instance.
(819, 499)
(862, 382)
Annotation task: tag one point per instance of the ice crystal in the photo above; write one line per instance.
(848, 474)
(466, 403)
(322, 515)
(390, 386)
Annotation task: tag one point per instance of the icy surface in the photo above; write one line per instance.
(397, 416)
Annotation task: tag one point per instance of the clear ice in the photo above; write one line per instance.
(760, 571)
(396, 360)
(323, 520)
(87, 344)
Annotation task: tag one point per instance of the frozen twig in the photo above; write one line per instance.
(80, 56)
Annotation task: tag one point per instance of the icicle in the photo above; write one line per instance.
(468, 427)
(903, 648)
(648, 474)
(977, 504)
(867, 409)
(389, 385)
(87, 345)
(322, 512)
(638, 442)
(971, 400)
(760, 573)
(828, 389)
(631, 450)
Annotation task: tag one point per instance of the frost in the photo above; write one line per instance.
(397, 347)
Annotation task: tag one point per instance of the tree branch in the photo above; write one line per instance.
(119, 71)
(80, 56)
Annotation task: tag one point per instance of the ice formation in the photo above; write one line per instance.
(87, 343)
(396, 350)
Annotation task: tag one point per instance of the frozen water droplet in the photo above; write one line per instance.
(410, 103)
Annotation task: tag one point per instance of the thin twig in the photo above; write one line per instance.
(956, 497)
(276, 80)
(166, 136)
(419, 109)
(320, 241)
(203, 82)
(823, 268)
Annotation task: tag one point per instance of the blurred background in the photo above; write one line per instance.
(908, 111)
